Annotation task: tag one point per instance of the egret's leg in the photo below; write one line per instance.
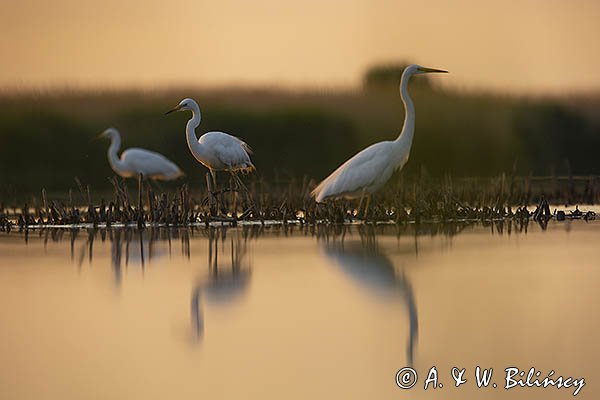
(233, 197)
(367, 207)
(218, 206)
(140, 184)
(209, 193)
(140, 220)
(150, 192)
(140, 177)
(248, 195)
(362, 198)
(214, 179)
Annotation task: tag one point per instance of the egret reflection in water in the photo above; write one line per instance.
(228, 274)
(228, 268)
(364, 262)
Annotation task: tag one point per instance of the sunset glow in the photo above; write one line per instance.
(527, 46)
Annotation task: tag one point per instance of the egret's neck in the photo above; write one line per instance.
(190, 130)
(113, 157)
(406, 136)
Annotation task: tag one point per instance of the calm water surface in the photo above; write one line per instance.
(297, 313)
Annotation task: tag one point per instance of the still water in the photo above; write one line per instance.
(298, 313)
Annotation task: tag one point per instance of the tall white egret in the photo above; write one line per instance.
(135, 161)
(217, 151)
(370, 169)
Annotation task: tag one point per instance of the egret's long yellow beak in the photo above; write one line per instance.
(173, 110)
(425, 69)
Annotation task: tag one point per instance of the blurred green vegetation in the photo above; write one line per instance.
(45, 137)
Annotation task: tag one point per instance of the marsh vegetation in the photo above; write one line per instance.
(419, 200)
(45, 137)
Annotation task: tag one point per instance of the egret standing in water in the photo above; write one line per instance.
(370, 169)
(217, 151)
(133, 162)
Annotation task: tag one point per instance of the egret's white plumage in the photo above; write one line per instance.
(135, 161)
(371, 168)
(217, 151)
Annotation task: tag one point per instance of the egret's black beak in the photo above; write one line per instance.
(173, 110)
(425, 69)
(97, 137)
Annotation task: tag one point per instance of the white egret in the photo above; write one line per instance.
(217, 151)
(370, 169)
(135, 161)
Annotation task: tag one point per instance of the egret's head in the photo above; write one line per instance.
(185, 104)
(417, 69)
(109, 133)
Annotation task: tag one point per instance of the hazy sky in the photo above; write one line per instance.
(526, 45)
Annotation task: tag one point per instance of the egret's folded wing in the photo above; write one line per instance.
(150, 163)
(359, 172)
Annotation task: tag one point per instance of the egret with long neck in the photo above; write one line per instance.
(217, 151)
(135, 161)
(370, 169)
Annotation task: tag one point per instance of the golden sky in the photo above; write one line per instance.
(516, 46)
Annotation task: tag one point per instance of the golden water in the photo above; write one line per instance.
(297, 313)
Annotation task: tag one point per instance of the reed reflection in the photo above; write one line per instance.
(133, 247)
(364, 263)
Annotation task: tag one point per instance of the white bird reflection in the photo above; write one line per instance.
(228, 277)
(228, 268)
(365, 264)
